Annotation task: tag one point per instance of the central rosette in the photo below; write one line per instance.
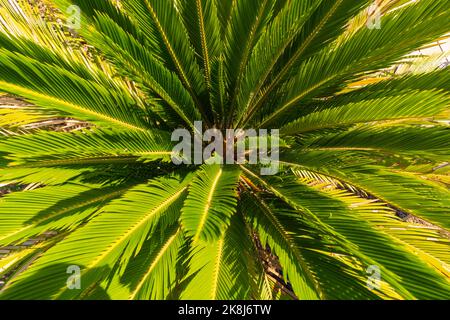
(229, 146)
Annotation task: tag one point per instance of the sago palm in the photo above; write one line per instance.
(359, 208)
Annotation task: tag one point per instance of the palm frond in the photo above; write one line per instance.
(372, 44)
(87, 184)
(218, 270)
(28, 213)
(74, 95)
(54, 148)
(155, 205)
(205, 214)
(421, 104)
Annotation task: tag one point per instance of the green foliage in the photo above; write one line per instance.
(363, 178)
(205, 214)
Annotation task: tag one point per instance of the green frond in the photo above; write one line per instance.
(54, 148)
(218, 93)
(88, 181)
(376, 87)
(415, 141)
(28, 213)
(211, 202)
(419, 104)
(270, 47)
(12, 117)
(325, 24)
(272, 232)
(167, 35)
(405, 191)
(220, 269)
(337, 256)
(128, 53)
(110, 239)
(248, 21)
(201, 22)
(59, 55)
(365, 51)
(73, 95)
(224, 11)
(393, 86)
(392, 244)
(162, 267)
(45, 176)
(151, 274)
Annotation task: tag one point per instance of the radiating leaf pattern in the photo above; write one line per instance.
(86, 177)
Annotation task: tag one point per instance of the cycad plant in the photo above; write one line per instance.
(359, 208)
